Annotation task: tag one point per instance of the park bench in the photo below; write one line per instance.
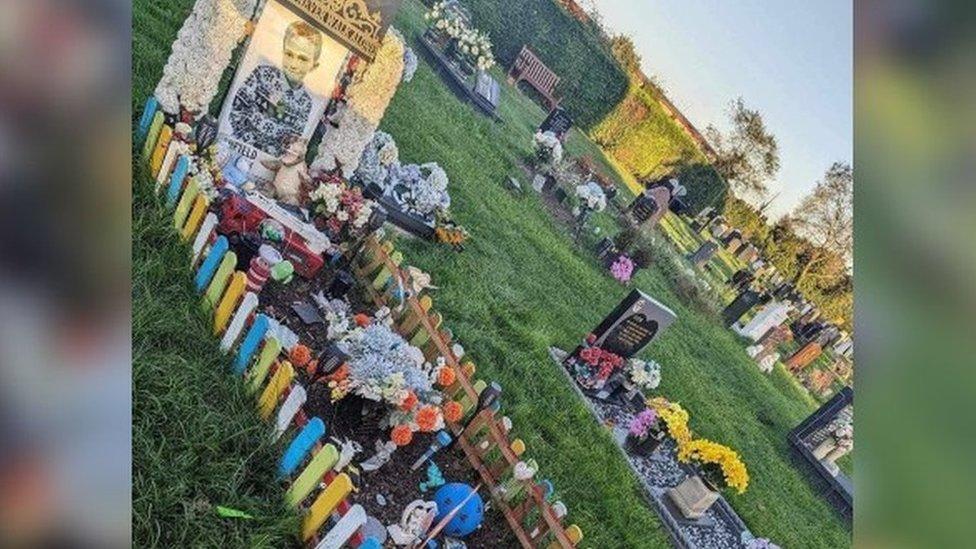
(530, 69)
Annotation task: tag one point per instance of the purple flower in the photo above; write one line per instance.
(622, 269)
(642, 423)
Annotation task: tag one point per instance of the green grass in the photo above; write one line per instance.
(520, 286)
(197, 441)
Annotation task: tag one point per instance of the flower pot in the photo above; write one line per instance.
(645, 446)
(693, 497)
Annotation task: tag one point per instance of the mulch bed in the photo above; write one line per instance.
(357, 419)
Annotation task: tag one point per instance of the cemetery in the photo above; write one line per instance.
(399, 302)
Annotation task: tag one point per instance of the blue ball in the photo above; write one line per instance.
(468, 517)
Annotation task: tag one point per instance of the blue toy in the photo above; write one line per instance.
(434, 478)
(468, 518)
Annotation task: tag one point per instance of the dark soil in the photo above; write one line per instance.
(357, 419)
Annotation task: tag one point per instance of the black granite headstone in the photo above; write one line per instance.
(633, 324)
(558, 122)
(741, 305)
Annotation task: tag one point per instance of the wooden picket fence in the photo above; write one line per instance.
(317, 488)
(485, 441)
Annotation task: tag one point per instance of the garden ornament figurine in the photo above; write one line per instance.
(291, 173)
(347, 450)
(434, 478)
(416, 520)
(384, 450)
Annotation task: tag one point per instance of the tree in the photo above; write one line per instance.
(623, 50)
(825, 218)
(748, 155)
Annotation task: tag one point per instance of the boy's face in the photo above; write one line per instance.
(299, 59)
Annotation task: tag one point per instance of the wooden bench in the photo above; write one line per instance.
(530, 69)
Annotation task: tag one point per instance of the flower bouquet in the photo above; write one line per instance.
(720, 466)
(622, 269)
(548, 149)
(644, 432)
(340, 209)
(383, 367)
(642, 376)
(595, 365)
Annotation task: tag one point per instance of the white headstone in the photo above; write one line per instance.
(770, 316)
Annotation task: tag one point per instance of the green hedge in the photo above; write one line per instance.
(645, 140)
(591, 81)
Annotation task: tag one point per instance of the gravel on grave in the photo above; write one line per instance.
(356, 419)
(660, 471)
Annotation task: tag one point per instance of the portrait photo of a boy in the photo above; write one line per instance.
(273, 103)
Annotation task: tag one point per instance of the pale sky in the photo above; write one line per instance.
(792, 60)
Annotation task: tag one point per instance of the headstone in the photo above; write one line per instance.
(732, 239)
(558, 122)
(773, 314)
(741, 279)
(704, 253)
(604, 248)
(748, 253)
(718, 227)
(742, 304)
(803, 357)
(634, 323)
(488, 88)
(650, 206)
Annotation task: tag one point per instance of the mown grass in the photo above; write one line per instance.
(197, 441)
(521, 285)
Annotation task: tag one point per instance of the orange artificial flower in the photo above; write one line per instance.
(341, 373)
(453, 411)
(427, 418)
(410, 402)
(300, 355)
(446, 376)
(312, 368)
(362, 320)
(401, 435)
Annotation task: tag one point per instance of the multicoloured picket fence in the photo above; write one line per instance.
(485, 441)
(318, 489)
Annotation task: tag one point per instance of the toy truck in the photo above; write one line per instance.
(303, 244)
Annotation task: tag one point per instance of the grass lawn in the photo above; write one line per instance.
(520, 286)
(197, 441)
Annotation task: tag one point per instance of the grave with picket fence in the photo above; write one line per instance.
(321, 486)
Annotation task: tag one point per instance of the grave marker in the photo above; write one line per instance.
(633, 324)
(558, 122)
(704, 253)
(804, 356)
(651, 205)
(741, 305)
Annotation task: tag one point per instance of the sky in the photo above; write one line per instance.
(791, 60)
